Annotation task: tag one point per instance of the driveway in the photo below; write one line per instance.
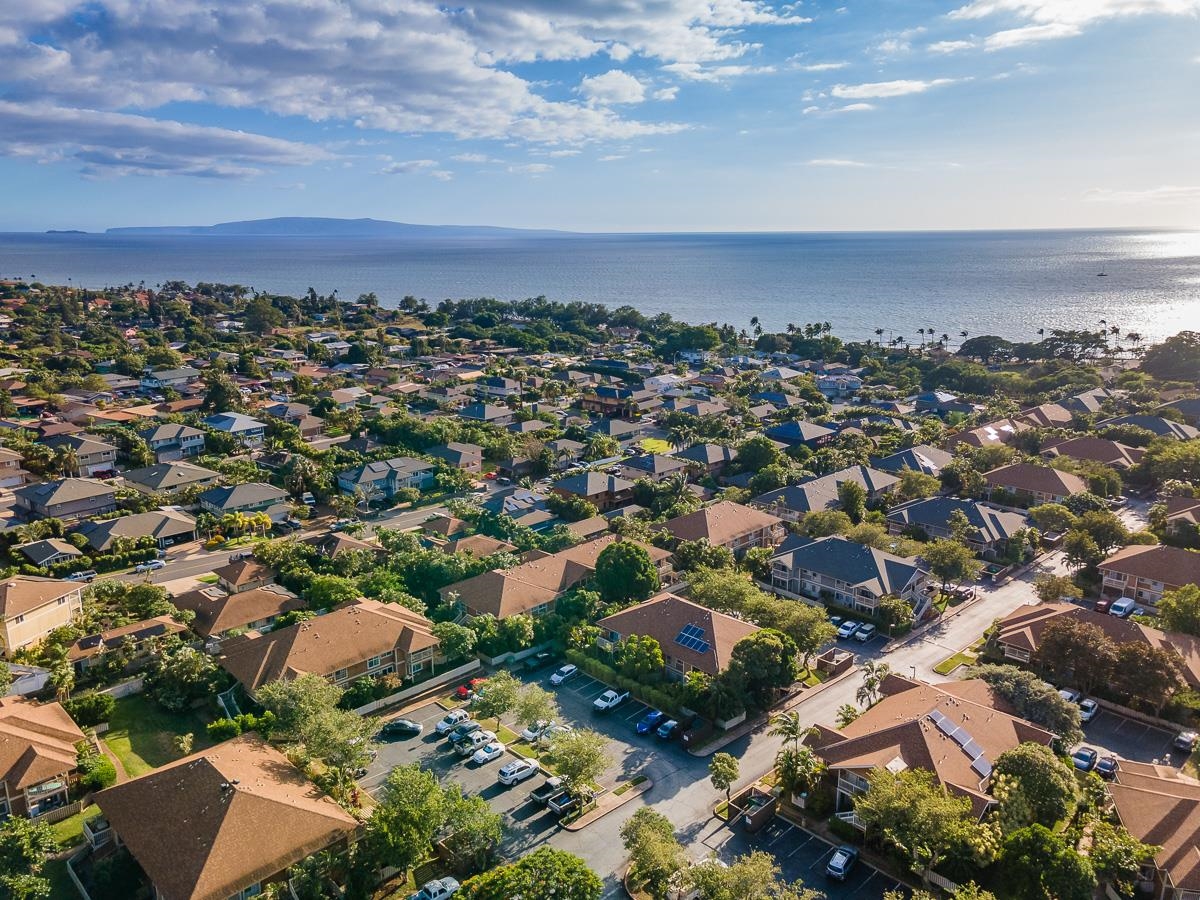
(1111, 733)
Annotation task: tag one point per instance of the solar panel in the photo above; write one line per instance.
(692, 637)
(936, 718)
(945, 726)
(962, 737)
(972, 749)
(982, 767)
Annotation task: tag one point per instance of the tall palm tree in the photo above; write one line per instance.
(799, 769)
(788, 726)
(873, 675)
(879, 336)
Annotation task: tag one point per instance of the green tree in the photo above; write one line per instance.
(915, 484)
(852, 498)
(951, 561)
(756, 454)
(25, 847)
(293, 702)
(1078, 650)
(826, 522)
(456, 641)
(1046, 784)
(498, 695)
(1117, 856)
(1149, 676)
(410, 811)
(640, 657)
(261, 317)
(873, 675)
(625, 573)
(535, 704)
(763, 663)
(474, 831)
(1053, 588)
(1039, 864)
(790, 727)
(544, 874)
(755, 876)
(846, 713)
(808, 627)
(655, 855)
(1179, 609)
(698, 555)
(799, 769)
(723, 772)
(222, 393)
(580, 757)
(893, 611)
(968, 891)
(1033, 699)
(1053, 517)
(177, 675)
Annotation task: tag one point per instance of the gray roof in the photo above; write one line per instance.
(707, 454)
(990, 524)
(1156, 424)
(592, 484)
(373, 471)
(656, 463)
(455, 451)
(253, 493)
(157, 523)
(38, 552)
(233, 422)
(921, 458)
(170, 475)
(64, 490)
(856, 564)
(822, 492)
(171, 374)
(168, 431)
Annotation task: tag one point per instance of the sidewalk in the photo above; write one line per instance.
(607, 802)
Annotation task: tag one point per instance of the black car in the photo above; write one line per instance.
(1107, 767)
(462, 732)
(539, 661)
(400, 728)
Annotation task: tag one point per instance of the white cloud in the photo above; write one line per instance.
(531, 169)
(692, 71)
(854, 107)
(1168, 194)
(897, 88)
(809, 110)
(109, 143)
(819, 67)
(1030, 34)
(612, 157)
(839, 163)
(950, 46)
(614, 86)
(430, 167)
(558, 153)
(668, 93)
(1055, 19)
(473, 158)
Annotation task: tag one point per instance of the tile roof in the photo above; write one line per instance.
(1173, 566)
(196, 826)
(1031, 479)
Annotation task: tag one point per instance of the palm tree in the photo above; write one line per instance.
(873, 673)
(67, 460)
(799, 769)
(787, 726)
(879, 336)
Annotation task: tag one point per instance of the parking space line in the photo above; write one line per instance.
(800, 847)
(783, 833)
(821, 858)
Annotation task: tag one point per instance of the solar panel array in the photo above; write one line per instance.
(692, 637)
(959, 734)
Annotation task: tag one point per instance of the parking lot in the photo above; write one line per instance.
(802, 856)
(1110, 733)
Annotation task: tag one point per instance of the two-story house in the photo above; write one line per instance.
(846, 573)
(793, 502)
(37, 757)
(725, 524)
(30, 608)
(253, 496)
(170, 478)
(12, 469)
(91, 649)
(707, 459)
(1160, 806)
(94, 456)
(249, 432)
(605, 492)
(990, 527)
(175, 379)
(171, 441)
(468, 457)
(383, 478)
(69, 499)
(1032, 484)
(1145, 573)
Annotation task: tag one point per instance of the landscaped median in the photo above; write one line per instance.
(610, 800)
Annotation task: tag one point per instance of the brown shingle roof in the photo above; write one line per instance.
(351, 633)
(1036, 479)
(218, 612)
(1099, 450)
(1170, 565)
(242, 571)
(21, 593)
(720, 523)
(663, 617)
(37, 742)
(1163, 810)
(95, 644)
(213, 823)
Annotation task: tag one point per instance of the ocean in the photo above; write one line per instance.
(1009, 283)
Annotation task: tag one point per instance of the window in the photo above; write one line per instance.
(19, 619)
(340, 674)
(373, 662)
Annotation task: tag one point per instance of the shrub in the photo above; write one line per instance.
(96, 770)
(845, 830)
(90, 708)
(224, 729)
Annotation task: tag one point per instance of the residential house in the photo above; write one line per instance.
(707, 459)
(94, 456)
(921, 458)
(333, 544)
(990, 527)
(692, 637)
(1158, 426)
(222, 823)
(91, 649)
(731, 525)
(941, 403)
(487, 414)
(533, 587)
(31, 607)
(69, 499)
(955, 730)
(1087, 402)
(49, 551)
(498, 386)
(1160, 805)
(161, 379)
(619, 402)
(251, 497)
(168, 527)
(443, 526)
(1094, 449)
(836, 387)
(171, 441)
(1146, 572)
(605, 492)
(12, 470)
(566, 452)
(1018, 635)
(384, 478)
(797, 432)
(220, 612)
(1048, 415)
(623, 432)
(37, 757)
(1032, 484)
(468, 457)
(993, 434)
(1188, 406)
(1182, 519)
(170, 477)
(653, 466)
(849, 574)
(246, 574)
(250, 433)
(793, 502)
(357, 639)
(478, 545)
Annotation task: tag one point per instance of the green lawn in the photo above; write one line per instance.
(61, 886)
(142, 734)
(69, 832)
(655, 445)
(948, 665)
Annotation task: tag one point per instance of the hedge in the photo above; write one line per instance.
(666, 697)
(90, 708)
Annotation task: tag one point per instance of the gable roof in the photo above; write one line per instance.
(233, 422)
(242, 571)
(156, 523)
(1157, 424)
(664, 617)
(374, 471)
(169, 431)
(1163, 810)
(1032, 479)
(48, 548)
(921, 458)
(707, 454)
(217, 611)
(989, 523)
(848, 561)
(1100, 450)
(248, 494)
(94, 644)
(720, 523)
(213, 805)
(64, 490)
(170, 475)
(990, 435)
(798, 430)
(592, 484)
(822, 492)
(22, 593)
(37, 742)
(1173, 566)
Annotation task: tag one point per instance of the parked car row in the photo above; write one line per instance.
(848, 628)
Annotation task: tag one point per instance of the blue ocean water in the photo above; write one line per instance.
(1009, 283)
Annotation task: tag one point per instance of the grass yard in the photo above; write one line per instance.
(61, 885)
(69, 832)
(962, 658)
(142, 734)
(656, 445)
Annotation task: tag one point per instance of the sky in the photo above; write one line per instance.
(602, 115)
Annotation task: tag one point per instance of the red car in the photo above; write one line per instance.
(466, 690)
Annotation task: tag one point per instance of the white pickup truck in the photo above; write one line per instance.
(609, 700)
(438, 889)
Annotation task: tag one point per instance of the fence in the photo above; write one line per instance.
(125, 688)
(940, 881)
(421, 688)
(72, 862)
(61, 812)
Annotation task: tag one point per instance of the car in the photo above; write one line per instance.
(610, 699)
(550, 733)
(472, 742)
(570, 670)
(562, 803)
(239, 555)
(452, 719)
(1102, 605)
(152, 565)
(865, 632)
(1122, 608)
(463, 691)
(517, 771)
(668, 729)
(401, 728)
(340, 524)
(88, 575)
(1107, 767)
(490, 476)
(1084, 759)
(840, 864)
(489, 751)
(1070, 696)
(836, 621)
(461, 732)
(650, 721)
(541, 795)
(536, 730)
(438, 889)
(539, 661)
(308, 499)
(1186, 740)
(1088, 710)
(846, 629)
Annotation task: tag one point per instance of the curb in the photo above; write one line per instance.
(601, 811)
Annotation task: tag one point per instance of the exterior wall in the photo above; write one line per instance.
(1144, 590)
(813, 585)
(29, 628)
(77, 509)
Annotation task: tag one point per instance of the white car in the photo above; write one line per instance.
(475, 742)
(1088, 709)
(438, 889)
(610, 699)
(152, 566)
(488, 752)
(534, 731)
(567, 671)
(452, 719)
(865, 632)
(549, 733)
(517, 771)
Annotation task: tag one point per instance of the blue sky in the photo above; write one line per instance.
(603, 115)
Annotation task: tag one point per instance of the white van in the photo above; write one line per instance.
(1122, 608)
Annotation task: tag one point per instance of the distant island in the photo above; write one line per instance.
(304, 226)
(65, 231)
